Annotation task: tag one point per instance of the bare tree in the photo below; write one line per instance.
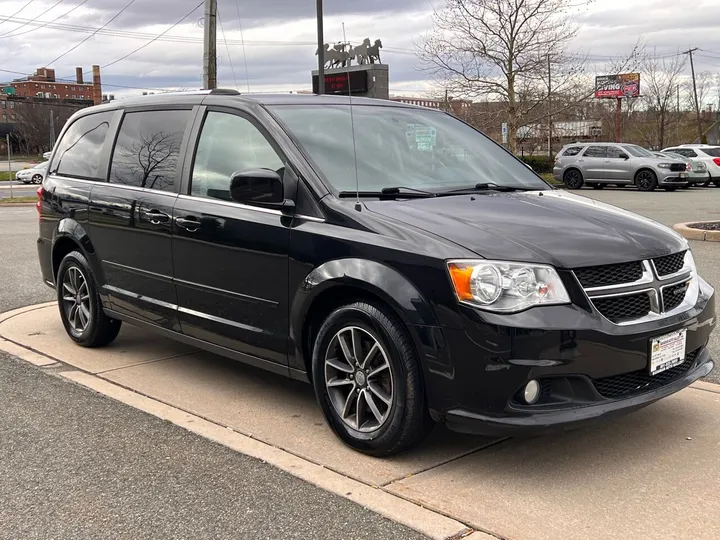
(32, 124)
(705, 82)
(499, 49)
(148, 162)
(661, 77)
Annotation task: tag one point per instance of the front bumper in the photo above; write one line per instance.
(588, 367)
(674, 179)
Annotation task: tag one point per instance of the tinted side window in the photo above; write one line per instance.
(684, 152)
(596, 151)
(615, 152)
(147, 148)
(714, 152)
(78, 153)
(573, 151)
(228, 144)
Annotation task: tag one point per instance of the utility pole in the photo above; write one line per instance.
(7, 140)
(321, 47)
(52, 130)
(618, 120)
(679, 116)
(550, 152)
(697, 105)
(210, 45)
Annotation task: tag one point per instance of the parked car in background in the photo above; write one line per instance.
(697, 170)
(33, 175)
(599, 164)
(705, 153)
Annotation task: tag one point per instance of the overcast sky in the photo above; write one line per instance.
(279, 37)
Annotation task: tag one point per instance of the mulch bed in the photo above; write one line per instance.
(711, 226)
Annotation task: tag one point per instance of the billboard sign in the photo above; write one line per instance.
(354, 82)
(617, 86)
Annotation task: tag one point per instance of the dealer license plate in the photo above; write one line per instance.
(667, 351)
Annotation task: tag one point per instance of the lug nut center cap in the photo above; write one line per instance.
(360, 378)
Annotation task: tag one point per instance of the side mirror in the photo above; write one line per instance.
(624, 156)
(259, 187)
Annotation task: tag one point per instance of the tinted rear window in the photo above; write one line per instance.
(596, 151)
(714, 152)
(573, 151)
(78, 153)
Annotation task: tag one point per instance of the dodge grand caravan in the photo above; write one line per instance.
(403, 263)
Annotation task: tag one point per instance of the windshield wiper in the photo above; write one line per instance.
(485, 186)
(395, 192)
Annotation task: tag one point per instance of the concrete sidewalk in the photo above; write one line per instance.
(651, 475)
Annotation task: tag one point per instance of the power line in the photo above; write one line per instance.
(36, 18)
(153, 39)
(18, 11)
(242, 41)
(91, 35)
(222, 31)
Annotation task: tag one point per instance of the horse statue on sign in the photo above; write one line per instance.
(374, 51)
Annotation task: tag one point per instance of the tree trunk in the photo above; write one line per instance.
(512, 119)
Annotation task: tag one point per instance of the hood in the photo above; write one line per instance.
(552, 227)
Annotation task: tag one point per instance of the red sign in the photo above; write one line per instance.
(353, 82)
(617, 86)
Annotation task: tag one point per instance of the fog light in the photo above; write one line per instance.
(532, 392)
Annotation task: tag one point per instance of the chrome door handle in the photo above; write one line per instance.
(190, 224)
(156, 217)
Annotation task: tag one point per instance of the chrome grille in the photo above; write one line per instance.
(623, 308)
(669, 265)
(609, 274)
(627, 293)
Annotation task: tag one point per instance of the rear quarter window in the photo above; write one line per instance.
(713, 152)
(572, 151)
(78, 152)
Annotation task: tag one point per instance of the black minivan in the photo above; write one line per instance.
(399, 260)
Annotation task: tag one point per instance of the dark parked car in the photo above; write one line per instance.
(414, 272)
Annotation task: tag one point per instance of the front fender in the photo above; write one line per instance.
(374, 278)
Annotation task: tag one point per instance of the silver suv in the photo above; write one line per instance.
(598, 164)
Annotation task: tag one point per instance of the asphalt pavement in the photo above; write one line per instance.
(74, 464)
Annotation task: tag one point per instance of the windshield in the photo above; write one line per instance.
(396, 146)
(638, 151)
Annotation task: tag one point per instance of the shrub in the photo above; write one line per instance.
(540, 164)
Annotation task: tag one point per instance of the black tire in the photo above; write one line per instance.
(405, 418)
(706, 184)
(670, 188)
(99, 329)
(597, 186)
(573, 179)
(717, 183)
(37, 179)
(646, 180)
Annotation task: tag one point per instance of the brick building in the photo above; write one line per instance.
(456, 106)
(43, 84)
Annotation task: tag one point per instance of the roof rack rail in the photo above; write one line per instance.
(224, 91)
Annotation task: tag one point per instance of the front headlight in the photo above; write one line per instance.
(506, 287)
(664, 165)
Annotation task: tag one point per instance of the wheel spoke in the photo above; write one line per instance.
(81, 317)
(84, 314)
(359, 410)
(69, 298)
(357, 349)
(71, 316)
(339, 365)
(340, 382)
(379, 393)
(73, 277)
(373, 407)
(68, 287)
(348, 405)
(346, 349)
(370, 355)
(378, 370)
(83, 288)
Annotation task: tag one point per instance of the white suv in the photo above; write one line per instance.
(708, 154)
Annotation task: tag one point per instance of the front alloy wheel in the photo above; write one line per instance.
(359, 379)
(646, 180)
(573, 179)
(37, 179)
(368, 379)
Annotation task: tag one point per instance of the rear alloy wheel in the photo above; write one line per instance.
(368, 380)
(646, 180)
(80, 307)
(37, 179)
(573, 179)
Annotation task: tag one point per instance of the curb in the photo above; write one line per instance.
(697, 234)
(435, 525)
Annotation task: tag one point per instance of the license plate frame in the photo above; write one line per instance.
(667, 351)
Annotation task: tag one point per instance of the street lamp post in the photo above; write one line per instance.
(321, 48)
